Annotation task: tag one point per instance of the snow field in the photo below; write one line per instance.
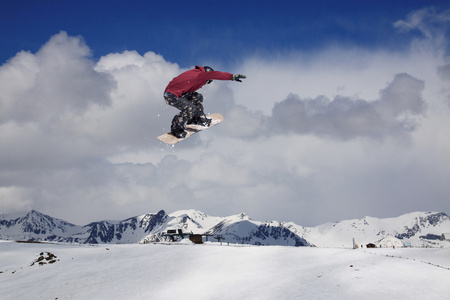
(156, 271)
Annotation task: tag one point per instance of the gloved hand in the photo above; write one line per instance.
(238, 77)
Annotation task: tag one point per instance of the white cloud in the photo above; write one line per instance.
(59, 79)
(430, 22)
(346, 118)
(15, 198)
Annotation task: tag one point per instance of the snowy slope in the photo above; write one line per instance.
(419, 229)
(210, 271)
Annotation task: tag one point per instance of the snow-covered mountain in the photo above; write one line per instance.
(130, 230)
(238, 229)
(35, 226)
(418, 228)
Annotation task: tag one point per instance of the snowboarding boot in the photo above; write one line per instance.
(205, 122)
(178, 132)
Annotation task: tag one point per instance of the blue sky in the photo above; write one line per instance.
(345, 111)
(187, 32)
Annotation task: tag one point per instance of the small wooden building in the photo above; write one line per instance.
(196, 238)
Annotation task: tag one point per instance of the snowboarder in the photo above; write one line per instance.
(181, 94)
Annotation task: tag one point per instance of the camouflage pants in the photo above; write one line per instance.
(190, 106)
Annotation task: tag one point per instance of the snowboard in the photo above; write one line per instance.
(170, 139)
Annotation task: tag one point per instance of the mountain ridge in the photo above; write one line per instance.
(417, 228)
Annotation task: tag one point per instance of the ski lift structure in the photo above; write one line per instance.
(196, 238)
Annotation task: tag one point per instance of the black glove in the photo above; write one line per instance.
(238, 77)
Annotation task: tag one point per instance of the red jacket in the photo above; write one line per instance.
(192, 80)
